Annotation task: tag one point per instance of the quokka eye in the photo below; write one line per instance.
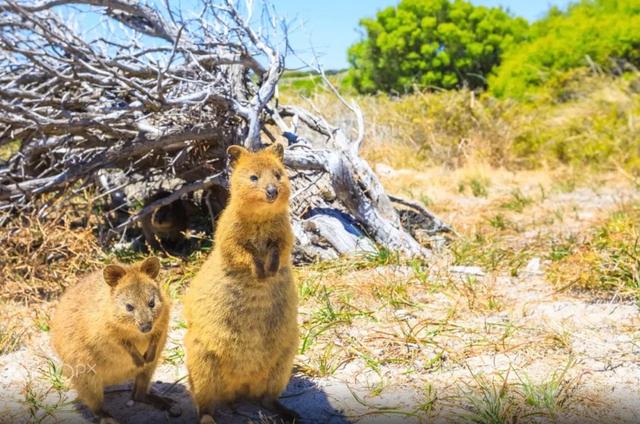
(278, 176)
(253, 178)
(152, 303)
(129, 307)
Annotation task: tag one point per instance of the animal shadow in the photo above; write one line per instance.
(302, 395)
(117, 403)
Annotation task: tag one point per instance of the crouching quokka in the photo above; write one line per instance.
(111, 327)
(241, 307)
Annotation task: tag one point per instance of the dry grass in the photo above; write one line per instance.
(607, 259)
(11, 334)
(508, 218)
(503, 399)
(39, 257)
(596, 127)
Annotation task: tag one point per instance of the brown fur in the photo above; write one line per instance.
(101, 342)
(165, 224)
(241, 307)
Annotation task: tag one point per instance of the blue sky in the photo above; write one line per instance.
(331, 26)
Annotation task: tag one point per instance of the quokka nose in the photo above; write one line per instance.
(272, 192)
(146, 327)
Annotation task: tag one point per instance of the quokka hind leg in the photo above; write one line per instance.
(204, 396)
(277, 383)
(141, 394)
(203, 375)
(91, 393)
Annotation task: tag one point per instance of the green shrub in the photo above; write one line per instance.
(431, 43)
(601, 34)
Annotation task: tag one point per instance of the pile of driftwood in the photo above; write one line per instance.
(152, 102)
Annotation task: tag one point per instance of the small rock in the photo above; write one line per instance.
(122, 246)
(384, 170)
(175, 411)
(585, 215)
(469, 270)
(402, 314)
(533, 267)
(130, 403)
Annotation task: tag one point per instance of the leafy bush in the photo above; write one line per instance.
(425, 43)
(603, 34)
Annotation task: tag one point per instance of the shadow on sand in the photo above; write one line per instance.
(302, 395)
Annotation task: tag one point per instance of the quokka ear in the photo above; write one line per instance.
(278, 150)
(150, 266)
(234, 152)
(112, 274)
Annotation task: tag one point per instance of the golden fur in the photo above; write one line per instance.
(101, 342)
(241, 307)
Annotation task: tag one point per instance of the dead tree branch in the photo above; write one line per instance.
(73, 106)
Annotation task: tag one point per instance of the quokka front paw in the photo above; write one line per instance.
(273, 262)
(273, 257)
(258, 268)
(137, 358)
(150, 354)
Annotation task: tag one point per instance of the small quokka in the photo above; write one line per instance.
(110, 328)
(241, 307)
(166, 224)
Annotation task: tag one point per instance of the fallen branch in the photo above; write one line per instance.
(72, 106)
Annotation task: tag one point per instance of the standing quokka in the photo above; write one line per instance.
(110, 328)
(241, 307)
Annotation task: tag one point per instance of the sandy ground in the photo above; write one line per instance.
(426, 352)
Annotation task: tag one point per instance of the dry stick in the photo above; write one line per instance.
(159, 28)
(270, 81)
(108, 157)
(352, 106)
